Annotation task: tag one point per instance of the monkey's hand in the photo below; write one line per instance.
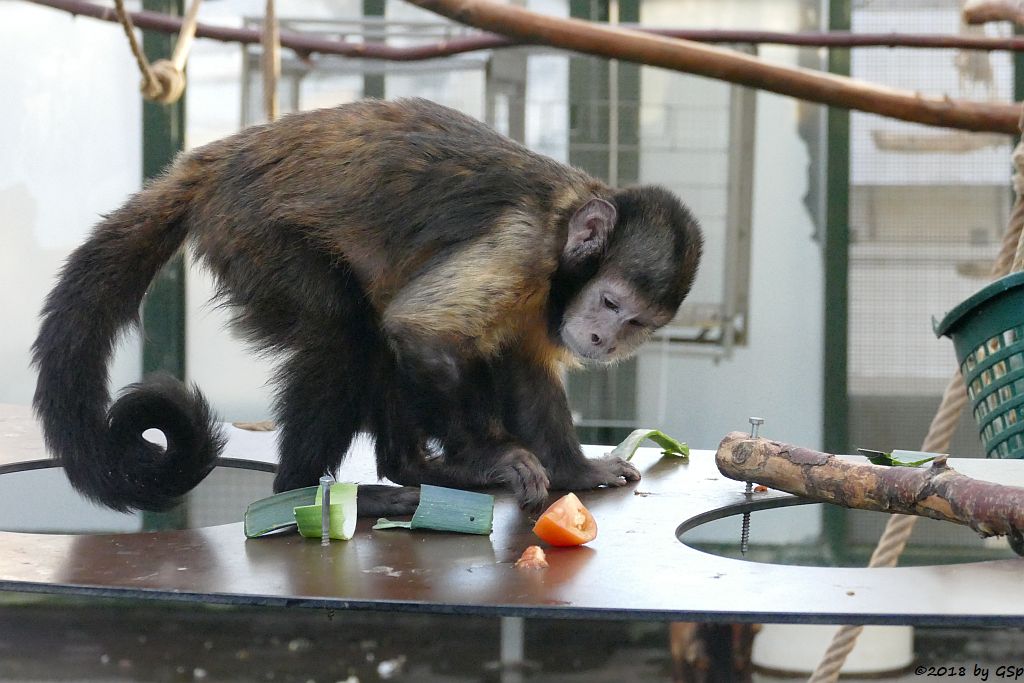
(606, 471)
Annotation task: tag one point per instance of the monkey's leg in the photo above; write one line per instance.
(320, 409)
(477, 452)
(537, 414)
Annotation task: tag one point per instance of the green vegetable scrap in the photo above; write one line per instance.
(342, 511)
(627, 449)
(299, 507)
(277, 511)
(444, 509)
(898, 458)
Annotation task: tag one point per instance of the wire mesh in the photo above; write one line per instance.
(927, 209)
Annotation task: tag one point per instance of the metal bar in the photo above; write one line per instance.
(613, 104)
(739, 213)
(513, 649)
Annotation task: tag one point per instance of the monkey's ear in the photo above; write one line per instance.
(589, 229)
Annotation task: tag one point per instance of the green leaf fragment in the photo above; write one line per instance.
(342, 512)
(444, 509)
(385, 523)
(627, 449)
(898, 458)
(276, 512)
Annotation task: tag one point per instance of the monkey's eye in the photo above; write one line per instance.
(609, 304)
(633, 322)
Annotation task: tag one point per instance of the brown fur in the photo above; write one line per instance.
(411, 267)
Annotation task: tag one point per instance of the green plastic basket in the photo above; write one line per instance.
(988, 334)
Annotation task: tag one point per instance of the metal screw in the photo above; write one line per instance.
(325, 516)
(755, 422)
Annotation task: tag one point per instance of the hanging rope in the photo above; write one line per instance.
(940, 432)
(164, 80)
(270, 39)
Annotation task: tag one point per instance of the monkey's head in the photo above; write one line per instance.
(635, 258)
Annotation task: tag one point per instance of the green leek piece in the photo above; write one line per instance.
(342, 512)
(277, 512)
(627, 449)
(898, 458)
(444, 509)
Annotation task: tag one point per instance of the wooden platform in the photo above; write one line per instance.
(635, 569)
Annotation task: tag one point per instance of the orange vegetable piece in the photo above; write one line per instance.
(566, 522)
(532, 558)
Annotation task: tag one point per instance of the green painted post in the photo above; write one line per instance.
(837, 241)
(836, 425)
(163, 136)
(590, 128)
(163, 312)
(373, 84)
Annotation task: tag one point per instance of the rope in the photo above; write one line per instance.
(1018, 207)
(270, 39)
(164, 80)
(940, 432)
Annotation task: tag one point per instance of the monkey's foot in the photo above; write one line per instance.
(521, 471)
(380, 500)
(607, 471)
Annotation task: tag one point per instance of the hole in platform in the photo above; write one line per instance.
(794, 532)
(36, 497)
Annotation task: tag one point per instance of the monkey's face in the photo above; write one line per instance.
(608, 320)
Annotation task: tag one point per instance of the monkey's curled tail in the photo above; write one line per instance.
(97, 296)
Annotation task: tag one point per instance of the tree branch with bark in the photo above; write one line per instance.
(664, 48)
(937, 491)
(705, 60)
(304, 44)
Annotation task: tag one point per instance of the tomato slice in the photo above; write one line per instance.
(566, 522)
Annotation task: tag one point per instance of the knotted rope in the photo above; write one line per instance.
(164, 80)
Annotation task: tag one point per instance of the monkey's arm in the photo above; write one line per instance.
(538, 416)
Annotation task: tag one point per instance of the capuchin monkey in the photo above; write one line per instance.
(421, 277)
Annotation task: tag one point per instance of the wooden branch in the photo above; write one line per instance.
(519, 26)
(938, 491)
(690, 57)
(304, 44)
(984, 11)
(300, 43)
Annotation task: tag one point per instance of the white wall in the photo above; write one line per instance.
(233, 378)
(779, 374)
(69, 152)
